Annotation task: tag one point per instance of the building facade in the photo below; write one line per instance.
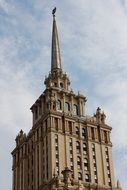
(65, 148)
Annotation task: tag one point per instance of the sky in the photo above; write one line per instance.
(93, 42)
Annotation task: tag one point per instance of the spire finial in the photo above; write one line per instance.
(56, 58)
(54, 11)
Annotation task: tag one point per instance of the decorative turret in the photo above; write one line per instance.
(118, 185)
(21, 137)
(100, 116)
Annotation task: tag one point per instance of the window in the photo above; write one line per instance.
(105, 136)
(71, 159)
(85, 168)
(84, 148)
(57, 160)
(57, 156)
(55, 84)
(78, 147)
(87, 177)
(75, 109)
(93, 153)
(59, 105)
(79, 176)
(61, 85)
(85, 160)
(70, 142)
(77, 131)
(70, 147)
(92, 133)
(71, 156)
(93, 146)
(56, 137)
(84, 145)
(79, 162)
(106, 151)
(72, 168)
(84, 133)
(67, 107)
(109, 180)
(95, 177)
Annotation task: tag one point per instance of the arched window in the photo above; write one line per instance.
(55, 84)
(84, 133)
(87, 178)
(79, 176)
(93, 147)
(67, 107)
(75, 109)
(105, 136)
(92, 133)
(61, 85)
(78, 147)
(59, 105)
(86, 164)
(79, 162)
(85, 161)
(77, 131)
(84, 148)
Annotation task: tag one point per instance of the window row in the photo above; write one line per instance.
(94, 163)
(67, 107)
(108, 166)
(57, 154)
(84, 133)
(87, 177)
(78, 148)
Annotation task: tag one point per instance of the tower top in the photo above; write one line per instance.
(55, 58)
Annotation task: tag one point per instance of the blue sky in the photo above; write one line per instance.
(93, 40)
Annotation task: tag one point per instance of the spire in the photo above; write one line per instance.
(55, 59)
(118, 185)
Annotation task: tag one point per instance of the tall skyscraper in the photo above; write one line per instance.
(64, 149)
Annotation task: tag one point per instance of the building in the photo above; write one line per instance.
(64, 149)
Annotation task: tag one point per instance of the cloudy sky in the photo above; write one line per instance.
(93, 40)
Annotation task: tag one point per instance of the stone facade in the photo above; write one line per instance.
(65, 148)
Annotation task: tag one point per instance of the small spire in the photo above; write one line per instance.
(118, 185)
(56, 58)
(54, 11)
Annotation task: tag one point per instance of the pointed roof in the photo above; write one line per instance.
(118, 184)
(56, 58)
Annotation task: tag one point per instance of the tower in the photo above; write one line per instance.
(65, 148)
